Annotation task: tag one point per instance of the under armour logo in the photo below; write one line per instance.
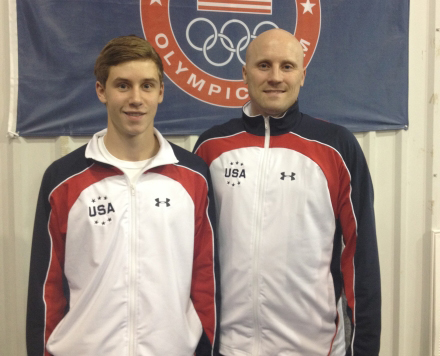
(284, 175)
(166, 202)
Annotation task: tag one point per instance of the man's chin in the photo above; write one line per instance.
(276, 111)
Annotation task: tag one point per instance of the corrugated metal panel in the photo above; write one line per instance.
(436, 294)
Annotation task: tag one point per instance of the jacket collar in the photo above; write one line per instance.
(164, 156)
(278, 126)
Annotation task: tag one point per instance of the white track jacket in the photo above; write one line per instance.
(290, 193)
(120, 269)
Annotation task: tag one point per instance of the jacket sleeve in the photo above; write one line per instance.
(359, 259)
(205, 287)
(47, 302)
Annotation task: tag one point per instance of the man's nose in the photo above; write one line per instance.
(276, 75)
(135, 98)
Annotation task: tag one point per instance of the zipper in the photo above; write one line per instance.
(132, 285)
(262, 174)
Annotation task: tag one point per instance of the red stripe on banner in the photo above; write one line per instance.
(233, 3)
(308, 29)
(224, 9)
(203, 278)
(213, 148)
(263, 7)
(61, 200)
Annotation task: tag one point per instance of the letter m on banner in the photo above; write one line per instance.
(263, 7)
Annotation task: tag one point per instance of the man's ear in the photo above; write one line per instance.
(244, 73)
(162, 88)
(304, 77)
(100, 91)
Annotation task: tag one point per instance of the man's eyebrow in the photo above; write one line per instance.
(148, 79)
(121, 79)
(263, 60)
(283, 62)
(152, 79)
(288, 61)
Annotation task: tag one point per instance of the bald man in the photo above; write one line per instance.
(297, 237)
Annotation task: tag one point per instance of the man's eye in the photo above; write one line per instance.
(288, 67)
(147, 86)
(122, 86)
(264, 65)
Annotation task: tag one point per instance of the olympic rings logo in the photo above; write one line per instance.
(227, 43)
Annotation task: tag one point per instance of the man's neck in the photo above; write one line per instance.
(131, 148)
(250, 110)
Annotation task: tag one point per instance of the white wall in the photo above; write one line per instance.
(407, 191)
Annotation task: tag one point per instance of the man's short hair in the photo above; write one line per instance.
(124, 49)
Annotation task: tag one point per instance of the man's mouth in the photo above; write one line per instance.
(275, 91)
(134, 113)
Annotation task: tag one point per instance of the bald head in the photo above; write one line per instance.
(273, 72)
(274, 38)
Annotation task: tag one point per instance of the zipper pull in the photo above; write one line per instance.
(267, 132)
(266, 123)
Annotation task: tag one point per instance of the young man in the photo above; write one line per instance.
(291, 191)
(123, 255)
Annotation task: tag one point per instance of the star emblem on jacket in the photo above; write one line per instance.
(235, 173)
(101, 210)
